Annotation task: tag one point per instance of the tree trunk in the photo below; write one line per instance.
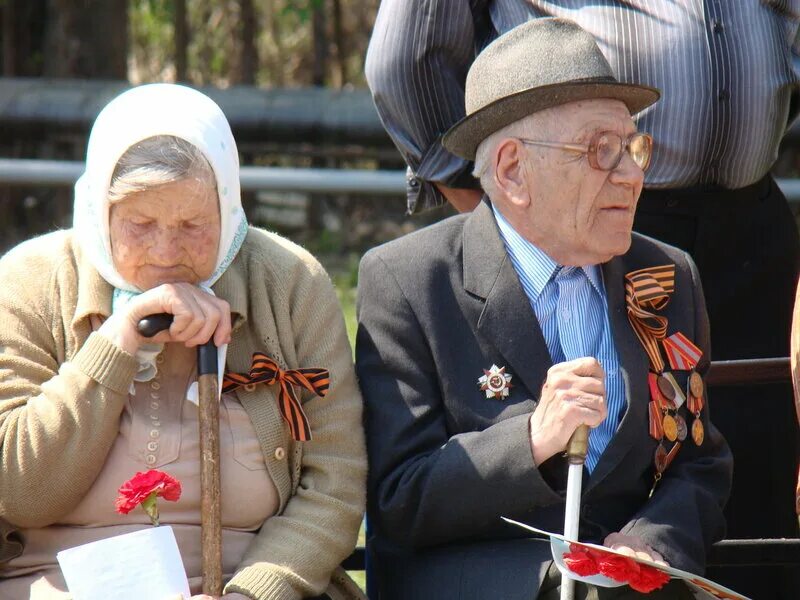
(248, 59)
(340, 73)
(320, 43)
(181, 41)
(86, 39)
(9, 39)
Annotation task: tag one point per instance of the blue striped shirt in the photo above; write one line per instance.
(570, 305)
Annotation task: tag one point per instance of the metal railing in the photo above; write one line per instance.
(18, 171)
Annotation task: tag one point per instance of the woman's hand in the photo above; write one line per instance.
(197, 317)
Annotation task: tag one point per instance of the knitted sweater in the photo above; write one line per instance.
(63, 388)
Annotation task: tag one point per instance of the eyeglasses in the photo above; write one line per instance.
(606, 148)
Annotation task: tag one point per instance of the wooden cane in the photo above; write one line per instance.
(210, 496)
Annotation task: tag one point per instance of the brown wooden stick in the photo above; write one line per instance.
(210, 493)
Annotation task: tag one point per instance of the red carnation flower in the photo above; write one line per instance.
(580, 561)
(618, 568)
(143, 488)
(648, 579)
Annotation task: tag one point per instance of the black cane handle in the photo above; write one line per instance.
(206, 353)
(153, 324)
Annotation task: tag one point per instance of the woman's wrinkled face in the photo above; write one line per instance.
(168, 234)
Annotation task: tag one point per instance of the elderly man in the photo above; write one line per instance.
(485, 340)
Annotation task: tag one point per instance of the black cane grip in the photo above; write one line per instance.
(207, 358)
(153, 324)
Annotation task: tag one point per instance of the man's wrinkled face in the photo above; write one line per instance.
(577, 214)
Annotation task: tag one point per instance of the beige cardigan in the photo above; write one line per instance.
(63, 388)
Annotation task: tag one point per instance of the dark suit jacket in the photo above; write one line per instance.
(436, 308)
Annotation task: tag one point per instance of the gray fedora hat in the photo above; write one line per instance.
(539, 64)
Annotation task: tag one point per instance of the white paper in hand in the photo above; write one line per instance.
(142, 564)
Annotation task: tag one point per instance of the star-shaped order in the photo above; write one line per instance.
(495, 382)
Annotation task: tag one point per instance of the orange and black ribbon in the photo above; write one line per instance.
(647, 290)
(265, 370)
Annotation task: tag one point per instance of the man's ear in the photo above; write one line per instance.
(509, 172)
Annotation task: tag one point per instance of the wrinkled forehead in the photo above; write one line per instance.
(587, 116)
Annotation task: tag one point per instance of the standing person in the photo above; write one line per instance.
(486, 339)
(729, 94)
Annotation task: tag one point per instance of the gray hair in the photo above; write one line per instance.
(532, 126)
(157, 161)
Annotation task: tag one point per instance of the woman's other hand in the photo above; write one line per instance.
(198, 316)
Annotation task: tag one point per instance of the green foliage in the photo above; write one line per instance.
(302, 8)
(283, 39)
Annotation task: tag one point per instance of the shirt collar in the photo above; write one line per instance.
(538, 266)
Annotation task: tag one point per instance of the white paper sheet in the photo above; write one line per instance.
(142, 564)
(704, 589)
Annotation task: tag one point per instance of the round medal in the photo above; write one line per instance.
(665, 387)
(682, 429)
(660, 459)
(670, 428)
(698, 432)
(696, 384)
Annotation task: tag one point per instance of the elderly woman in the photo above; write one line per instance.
(86, 401)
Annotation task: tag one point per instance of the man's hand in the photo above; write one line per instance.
(631, 545)
(462, 199)
(573, 394)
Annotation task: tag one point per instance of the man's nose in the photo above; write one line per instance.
(627, 172)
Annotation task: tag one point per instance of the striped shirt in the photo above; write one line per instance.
(570, 305)
(724, 68)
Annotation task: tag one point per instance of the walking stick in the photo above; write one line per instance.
(577, 447)
(210, 505)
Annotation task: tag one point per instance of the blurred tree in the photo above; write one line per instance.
(248, 56)
(181, 28)
(86, 38)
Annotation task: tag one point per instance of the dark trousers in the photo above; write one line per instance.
(745, 244)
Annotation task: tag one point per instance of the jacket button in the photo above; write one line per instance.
(280, 453)
(249, 387)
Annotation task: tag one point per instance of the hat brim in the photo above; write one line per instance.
(464, 137)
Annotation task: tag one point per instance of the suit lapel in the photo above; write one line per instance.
(633, 369)
(504, 318)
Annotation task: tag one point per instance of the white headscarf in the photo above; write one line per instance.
(135, 115)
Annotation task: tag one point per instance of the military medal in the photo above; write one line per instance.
(682, 354)
(696, 385)
(682, 429)
(646, 291)
(660, 458)
(670, 427)
(665, 387)
(695, 403)
(495, 382)
(698, 432)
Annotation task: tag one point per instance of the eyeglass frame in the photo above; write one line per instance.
(590, 149)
